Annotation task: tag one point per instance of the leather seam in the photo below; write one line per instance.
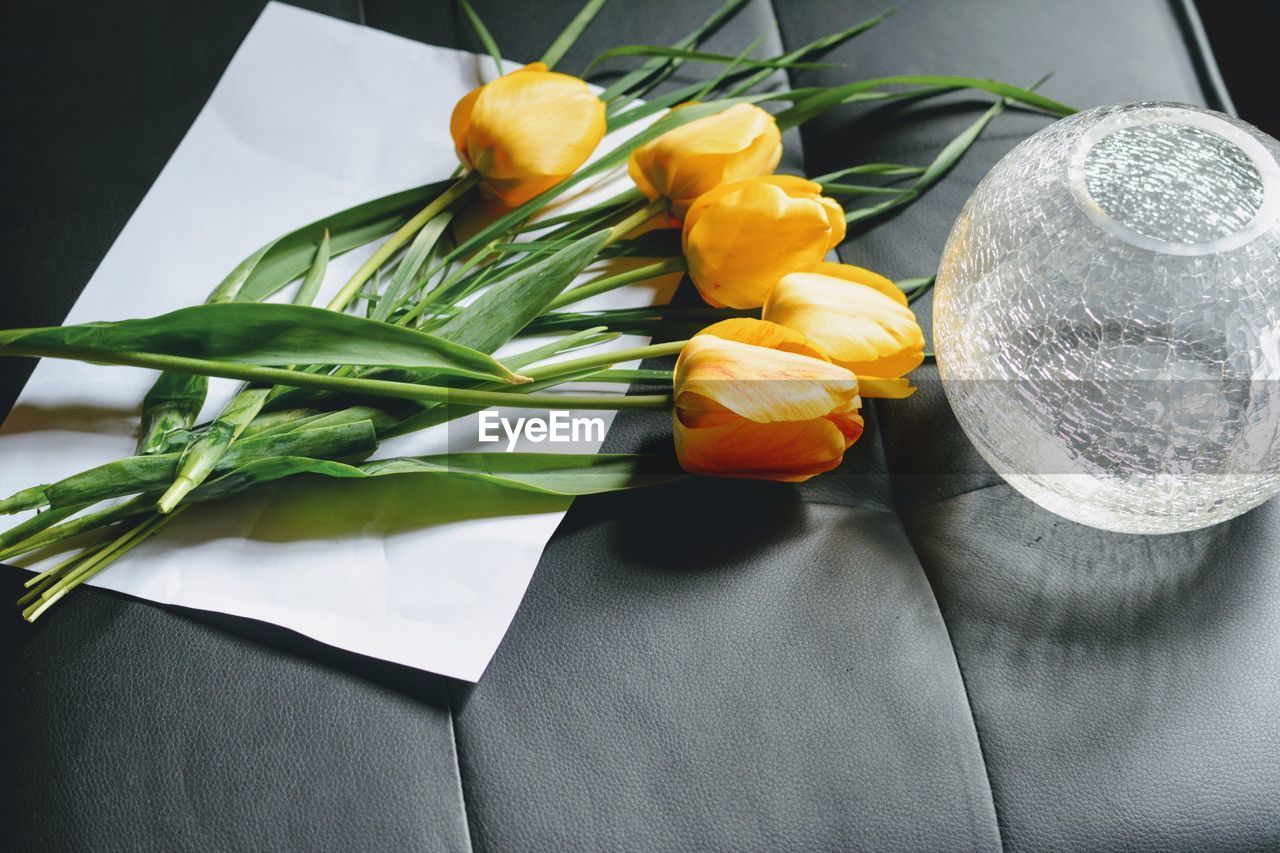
(964, 679)
(960, 494)
(955, 655)
(457, 762)
(893, 510)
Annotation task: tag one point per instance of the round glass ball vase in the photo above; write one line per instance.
(1107, 318)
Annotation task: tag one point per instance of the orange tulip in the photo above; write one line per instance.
(756, 400)
(527, 131)
(858, 318)
(682, 164)
(740, 238)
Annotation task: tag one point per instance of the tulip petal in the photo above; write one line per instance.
(682, 164)
(859, 326)
(529, 130)
(835, 218)
(739, 246)
(789, 452)
(759, 333)
(858, 275)
(761, 384)
(460, 121)
(793, 186)
(761, 157)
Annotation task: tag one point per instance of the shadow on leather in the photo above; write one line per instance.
(995, 557)
(71, 633)
(699, 524)
(424, 687)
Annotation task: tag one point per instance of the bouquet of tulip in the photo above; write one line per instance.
(769, 385)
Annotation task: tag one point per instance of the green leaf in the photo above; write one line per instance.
(310, 286)
(174, 400)
(203, 452)
(407, 272)
(622, 279)
(74, 527)
(553, 474)
(822, 100)
(294, 397)
(906, 285)
(36, 524)
(728, 70)
(887, 170)
(507, 306)
(173, 403)
(138, 474)
(565, 474)
(629, 375)
(659, 319)
(585, 338)
(861, 189)
(655, 67)
(700, 56)
(483, 32)
(294, 253)
(920, 288)
(945, 160)
(814, 48)
(259, 335)
(745, 80)
(608, 207)
(229, 288)
(570, 34)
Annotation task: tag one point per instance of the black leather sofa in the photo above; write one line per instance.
(901, 655)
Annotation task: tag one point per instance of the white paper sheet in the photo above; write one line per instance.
(312, 115)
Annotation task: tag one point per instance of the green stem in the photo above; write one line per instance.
(397, 240)
(372, 387)
(861, 189)
(605, 359)
(39, 584)
(622, 279)
(629, 376)
(79, 525)
(657, 207)
(34, 526)
(95, 563)
(411, 316)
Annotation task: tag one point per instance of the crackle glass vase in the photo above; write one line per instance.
(1107, 318)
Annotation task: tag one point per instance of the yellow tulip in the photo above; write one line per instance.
(740, 238)
(858, 318)
(682, 164)
(527, 131)
(756, 400)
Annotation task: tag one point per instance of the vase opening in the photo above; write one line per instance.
(1176, 181)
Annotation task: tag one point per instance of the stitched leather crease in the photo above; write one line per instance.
(902, 528)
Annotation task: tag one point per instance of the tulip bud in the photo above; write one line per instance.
(858, 318)
(741, 142)
(739, 239)
(527, 131)
(756, 400)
